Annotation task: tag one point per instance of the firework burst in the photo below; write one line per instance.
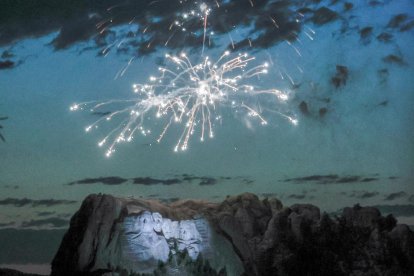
(188, 95)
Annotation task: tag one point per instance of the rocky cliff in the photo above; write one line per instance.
(241, 235)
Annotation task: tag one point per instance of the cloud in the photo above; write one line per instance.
(147, 180)
(247, 181)
(208, 181)
(297, 196)
(7, 54)
(7, 64)
(20, 202)
(65, 215)
(394, 59)
(45, 214)
(323, 15)
(363, 194)
(49, 222)
(269, 195)
(202, 180)
(110, 180)
(150, 23)
(77, 30)
(393, 196)
(153, 181)
(7, 224)
(331, 179)
(14, 187)
(404, 210)
(32, 18)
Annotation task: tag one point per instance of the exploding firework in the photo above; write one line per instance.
(190, 96)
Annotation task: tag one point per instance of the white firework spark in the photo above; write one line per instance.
(188, 95)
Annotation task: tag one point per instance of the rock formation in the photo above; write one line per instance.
(240, 236)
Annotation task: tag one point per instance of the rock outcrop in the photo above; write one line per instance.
(241, 235)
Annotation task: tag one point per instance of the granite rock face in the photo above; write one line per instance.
(115, 236)
(240, 236)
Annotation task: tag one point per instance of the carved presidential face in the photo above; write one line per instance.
(157, 218)
(188, 231)
(144, 223)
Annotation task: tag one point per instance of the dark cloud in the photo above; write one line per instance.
(276, 22)
(208, 181)
(366, 34)
(153, 181)
(341, 76)
(397, 20)
(269, 195)
(110, 180)
(404, 210)
(385, 37)
(147, 180)
(393, 196)
(7, 54)
(202, 180)
(297, 196)
(314, 178)
(20, 202)
(14, 187)
(369, 179)
(324, 15)
(49, 222)
(411, 198)
(22, 19)
(331, 179)
(77, 30)
(66, 215)
(115, 180)
(45, 214)
(1, 135)
(247, 181)
(394, 59)
(7, 64)
(152, 23)
(407, 26)
(7, 224)
(363, 194)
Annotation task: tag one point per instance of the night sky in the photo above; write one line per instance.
(347, 68)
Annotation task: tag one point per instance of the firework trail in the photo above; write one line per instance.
(188, 95)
